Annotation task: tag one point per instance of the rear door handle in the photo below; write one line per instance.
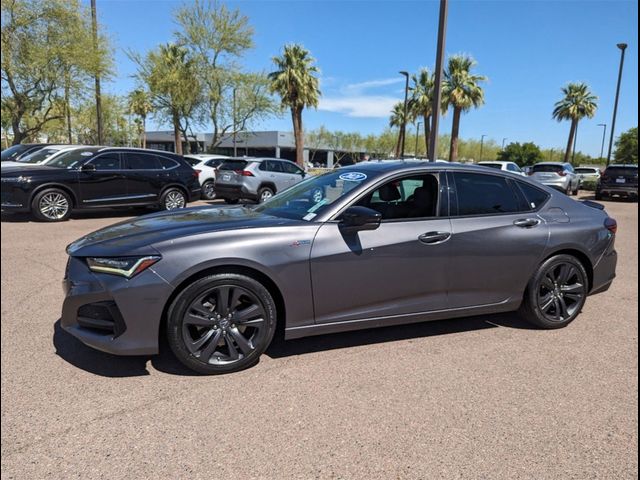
(432, 238)
(526, 222)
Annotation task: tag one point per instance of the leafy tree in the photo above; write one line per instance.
(421, 103)
(140, 105)
(48, 55)
(396, 120)
(217, 38)
(578, 102)
(316, 139)
(295, 81)
(116, 126)
(461, 91)
(627, 147)
(170, 75)
(521, 153)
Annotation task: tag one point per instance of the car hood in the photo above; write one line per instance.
(136, 237)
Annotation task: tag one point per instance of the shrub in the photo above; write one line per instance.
(589, 184)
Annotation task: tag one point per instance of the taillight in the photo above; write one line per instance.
(562, 173)
(197, 171)
(244, 173)
(611, 225)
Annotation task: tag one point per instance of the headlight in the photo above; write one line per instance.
(124, 266)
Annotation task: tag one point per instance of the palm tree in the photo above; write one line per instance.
(421, 103)
(140, 105)
(397, 120)
(578, 102)
(295, 81)
(461, 90)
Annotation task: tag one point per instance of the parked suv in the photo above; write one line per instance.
(96, 177)
(206, 165)
(255, 178)
(588, 173)
(505, 166)
(560, 176)
(619, 180)
(14, 152)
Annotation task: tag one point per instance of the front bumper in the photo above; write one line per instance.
(15, 197)
(113, 314)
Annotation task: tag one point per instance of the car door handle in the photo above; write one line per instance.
(526, 222)
(431, 238)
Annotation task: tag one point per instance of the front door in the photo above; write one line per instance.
(399, 269)
(106, 185)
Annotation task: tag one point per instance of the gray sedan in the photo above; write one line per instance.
(369, 245)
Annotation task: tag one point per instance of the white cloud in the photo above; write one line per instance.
(371, 84)
(361, 106)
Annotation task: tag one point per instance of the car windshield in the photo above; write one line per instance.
(39, 156)
(72, 158)
(548, 168)
(13, 151)
(622, 171)
(309, 198)
(492, 165)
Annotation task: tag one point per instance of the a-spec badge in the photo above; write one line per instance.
(299, 243)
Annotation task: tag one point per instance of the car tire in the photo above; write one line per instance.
(235, 311)
(599, 196)
(264, 194)
(173, 199)
(556, 293)
(231, 201)
(51, 205)
(208, 190)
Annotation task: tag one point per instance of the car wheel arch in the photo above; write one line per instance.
(174, 185)
(268, 185)
(64, 188)
(582, 257)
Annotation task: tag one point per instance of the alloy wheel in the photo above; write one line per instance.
(174, 200)
(224, 325)
(266, 195)
(209, 191)
(54, 205)
(561, 292)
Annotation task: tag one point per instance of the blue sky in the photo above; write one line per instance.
(528, 49)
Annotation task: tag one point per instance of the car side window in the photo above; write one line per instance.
(512, 167)
(406, 198)
(167, 163)
(569, 168)
(481, 194)
(275, 166)
(534, 196)
(106, 161)
(290, 167)
(141, 161)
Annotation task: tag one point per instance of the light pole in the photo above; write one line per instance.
(235, 145)
(604, 134)
(94, 30)
(504, 140)
(551, 155)
(417, 136)
(403, 130)
(437, 85)
(622, 47)
(481, 145)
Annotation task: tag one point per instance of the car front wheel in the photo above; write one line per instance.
(221, 323)
(51, 205)
(556, 293)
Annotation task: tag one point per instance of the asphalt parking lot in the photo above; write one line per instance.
(483, 397)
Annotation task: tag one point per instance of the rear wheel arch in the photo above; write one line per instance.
(582, 257)
(177, 186)
(268, 185)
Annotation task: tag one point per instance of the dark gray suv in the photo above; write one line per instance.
(370, 245)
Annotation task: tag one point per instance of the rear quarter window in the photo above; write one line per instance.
(534, 197)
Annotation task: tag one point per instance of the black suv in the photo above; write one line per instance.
(620, 180)
(95, 177)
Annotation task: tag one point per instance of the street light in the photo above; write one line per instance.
(504, 140)
(403, 130)
(417, 136)
(481, 145)
(622, 47)
(604, 134)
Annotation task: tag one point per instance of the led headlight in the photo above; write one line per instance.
(124, 266)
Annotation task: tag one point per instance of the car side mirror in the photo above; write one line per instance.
(88, 167)
(359, 218)
(303, 173)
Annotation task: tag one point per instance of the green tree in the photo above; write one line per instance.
(140, 105)
(521, 153)
(295, 81)
(396, 120)
(462, 91)
(627, 147)
(170, 76)
(421, 103)
(578, 102)
(48, 55)
(116, 126)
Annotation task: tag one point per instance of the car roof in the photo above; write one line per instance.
(494, 162)
(624, 165)
(560, 164)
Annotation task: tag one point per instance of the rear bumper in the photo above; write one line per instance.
(560, 184)
(618, 189)
(234, 192)
(604, 272)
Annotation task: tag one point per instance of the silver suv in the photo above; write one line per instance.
(255, 178)
(560, 176)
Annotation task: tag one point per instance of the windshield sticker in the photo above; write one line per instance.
(86, 154)
(309, 216)
(353, 176)
(317, 205)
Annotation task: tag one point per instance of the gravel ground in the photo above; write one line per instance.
(483, 397)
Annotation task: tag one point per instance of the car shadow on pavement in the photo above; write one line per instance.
(93, 361)
(81, 215)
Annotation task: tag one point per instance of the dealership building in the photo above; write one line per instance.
(257, 144)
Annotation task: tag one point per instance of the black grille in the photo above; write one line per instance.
(102, 317)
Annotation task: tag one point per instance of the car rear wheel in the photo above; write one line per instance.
(556, 293)
(208, 190)
(51, 205)
(173, 199)
(264, 194)
(221, 323)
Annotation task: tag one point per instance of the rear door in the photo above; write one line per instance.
(144, 176)
(106, 185)
(294, 173)
(497, 239)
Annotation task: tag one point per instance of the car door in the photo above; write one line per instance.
(497, 239)
(294, 173)
(401, 268)
(145, 176)
(102, 181)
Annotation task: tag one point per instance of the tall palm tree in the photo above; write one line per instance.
(295, 81)
(140, 105)
(578, 103)
(421, 102)
(461, 90)
(397, 120)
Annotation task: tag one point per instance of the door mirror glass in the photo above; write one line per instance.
(88, 167)
(359, 218)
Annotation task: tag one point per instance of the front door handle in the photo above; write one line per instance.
(432, 238)
(526, 222)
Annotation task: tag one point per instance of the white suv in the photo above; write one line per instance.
(206, 165)
(506, 166)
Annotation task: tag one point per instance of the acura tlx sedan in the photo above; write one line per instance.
(374, 244)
